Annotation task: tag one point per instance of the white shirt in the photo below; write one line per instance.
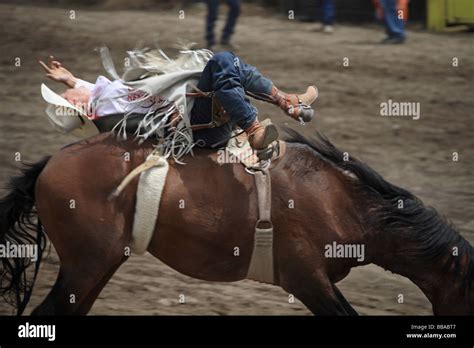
(113, 97)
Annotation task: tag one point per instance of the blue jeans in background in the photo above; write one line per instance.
(229, 77)
(328, 9)
(395, 27)
(213, 12)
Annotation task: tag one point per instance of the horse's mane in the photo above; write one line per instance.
(427, 234)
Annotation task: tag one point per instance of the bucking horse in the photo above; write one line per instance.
(334, 199)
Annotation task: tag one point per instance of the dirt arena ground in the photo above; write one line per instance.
(414, 154)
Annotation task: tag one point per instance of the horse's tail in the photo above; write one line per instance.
(20, 244)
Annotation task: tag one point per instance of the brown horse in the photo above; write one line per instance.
(319, 200)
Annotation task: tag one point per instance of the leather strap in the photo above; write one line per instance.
(199, 94)
(219, 115)
(196, 127)
(261, 262)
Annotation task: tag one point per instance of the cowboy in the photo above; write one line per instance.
(101, 99)
(225, 75)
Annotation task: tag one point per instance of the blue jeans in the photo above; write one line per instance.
(395, 27)
(212, 13)
(229, 77)
(328, 8)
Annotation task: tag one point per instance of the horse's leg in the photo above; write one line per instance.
(66, 295)
(316, 292)
(77, 287)
(87, 262)
(347, 306)
(75, 291)
(304, 275)
(89, 236)
(86, 305)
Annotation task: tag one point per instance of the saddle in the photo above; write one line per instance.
(107, 123)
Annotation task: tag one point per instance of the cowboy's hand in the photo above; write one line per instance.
(58, 73)
(79, 97)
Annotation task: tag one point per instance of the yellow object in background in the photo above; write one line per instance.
(443, 13)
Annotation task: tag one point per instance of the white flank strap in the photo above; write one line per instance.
(149, 191)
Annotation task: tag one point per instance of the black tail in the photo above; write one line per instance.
(17, 225)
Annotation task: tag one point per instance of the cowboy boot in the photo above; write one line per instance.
(259, 136)
(296, 106)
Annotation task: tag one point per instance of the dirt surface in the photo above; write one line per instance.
(414, 154)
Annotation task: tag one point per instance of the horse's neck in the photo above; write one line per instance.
(439, 277)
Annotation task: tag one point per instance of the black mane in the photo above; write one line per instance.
(428, 234)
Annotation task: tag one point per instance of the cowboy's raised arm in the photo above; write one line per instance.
(56, 72)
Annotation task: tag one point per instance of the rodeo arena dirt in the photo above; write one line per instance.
(354, 194)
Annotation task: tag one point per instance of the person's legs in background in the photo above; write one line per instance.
(395, 26)
(234, 12)
(328, 9)
(212, 12)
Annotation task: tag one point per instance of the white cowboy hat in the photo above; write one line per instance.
(71, 119)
